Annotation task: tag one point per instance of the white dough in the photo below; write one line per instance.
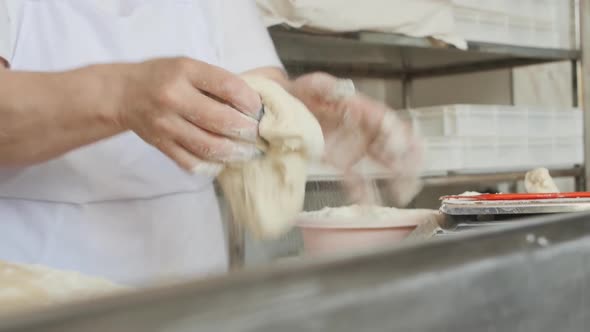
(470, 193)
(362, 216)
(353, 211)
(29, 286)
(266, 194)
(539, 181)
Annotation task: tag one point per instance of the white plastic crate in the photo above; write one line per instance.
(483, 153)
(492, 120)
(442, 154)
(318, 171)
(512, 153)
(569, 123)
(454, 120)
(535, 23)
(540, 152)
(568, 150)
(557, 151)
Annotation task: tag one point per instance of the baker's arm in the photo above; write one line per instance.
(44, 115)
(167, 102)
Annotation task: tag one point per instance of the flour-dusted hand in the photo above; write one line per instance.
(356, 126)
(199, 115)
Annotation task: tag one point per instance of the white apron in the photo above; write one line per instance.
(118, 208)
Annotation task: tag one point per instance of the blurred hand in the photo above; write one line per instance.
(197, 114)
(356, 126)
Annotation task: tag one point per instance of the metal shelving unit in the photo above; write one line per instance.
(382, 55)
(396, 56)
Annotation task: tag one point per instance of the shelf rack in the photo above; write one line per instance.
(383, 55)
(395, 56)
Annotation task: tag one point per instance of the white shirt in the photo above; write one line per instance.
(119, 208)
(241, 39)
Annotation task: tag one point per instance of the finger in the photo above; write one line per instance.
(218, 118)
(226, 87)
(392, 140)
(358, 113)
(345, 148)
(322, 86)
(211, 147)
(187, 160)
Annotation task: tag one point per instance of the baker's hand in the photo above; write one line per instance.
(198, 114)
(355, 126)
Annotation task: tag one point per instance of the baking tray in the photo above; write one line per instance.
(514, 207)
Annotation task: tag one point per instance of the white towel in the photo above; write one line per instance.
(416, 18)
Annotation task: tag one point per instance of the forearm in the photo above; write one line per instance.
(43, 115)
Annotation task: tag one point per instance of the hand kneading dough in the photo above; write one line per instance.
(30, 286)
(266, 194)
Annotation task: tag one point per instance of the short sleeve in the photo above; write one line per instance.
(243, 41)
(5, 49)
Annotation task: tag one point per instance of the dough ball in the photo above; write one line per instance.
(539, 181)
(267, 194)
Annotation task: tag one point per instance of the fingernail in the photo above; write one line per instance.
(207, 169)
(260, 113)
(342, 89)
(250, 105)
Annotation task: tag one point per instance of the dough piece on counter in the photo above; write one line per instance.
(267, 194)
(25, 287)
(470, 193)
(539, 181)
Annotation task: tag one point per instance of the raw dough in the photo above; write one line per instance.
(470, 193)
(266, 194)
(353, 211)
(30, 286)
(366, 216)
(539, 181)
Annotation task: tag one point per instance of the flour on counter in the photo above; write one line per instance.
(23, 287)
(353, 211)
(359, 216)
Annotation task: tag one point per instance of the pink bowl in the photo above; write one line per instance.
(373, 227)
(319, 241)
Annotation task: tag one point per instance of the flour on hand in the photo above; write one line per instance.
(267, 194)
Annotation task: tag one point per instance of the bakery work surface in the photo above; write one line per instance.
(529, 276)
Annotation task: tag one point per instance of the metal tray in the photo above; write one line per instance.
(514, 207)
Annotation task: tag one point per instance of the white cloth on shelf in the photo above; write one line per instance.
(416, 18)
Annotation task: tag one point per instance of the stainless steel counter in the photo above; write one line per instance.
(531, 277)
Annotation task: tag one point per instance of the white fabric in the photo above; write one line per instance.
(5, 42)
(417, 18)
(118, 208)
(238, 35)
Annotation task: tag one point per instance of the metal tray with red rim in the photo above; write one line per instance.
(493, 204)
